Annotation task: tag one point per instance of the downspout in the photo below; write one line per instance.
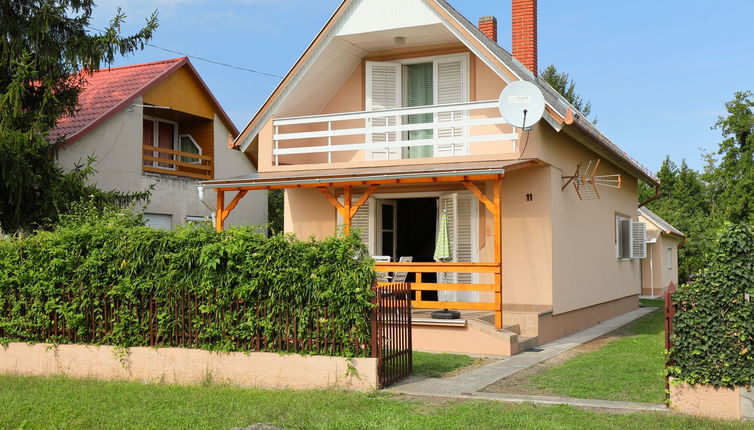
(651, 199)
(651, 270)
(204, 202)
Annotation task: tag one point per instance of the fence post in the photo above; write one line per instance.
(669, 314)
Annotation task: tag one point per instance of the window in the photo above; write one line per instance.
(415, 83)
(159, 221)
(630, 238)
(670, 257)
(623, 238)
(188, 144)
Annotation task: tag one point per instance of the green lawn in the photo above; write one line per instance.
(436, 365)
(628, 369)
(37, 403)
(652, 303)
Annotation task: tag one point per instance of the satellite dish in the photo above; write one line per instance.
(522, 104)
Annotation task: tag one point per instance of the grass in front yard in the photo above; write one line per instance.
(630, 368)
(436, 365)
(652, 303)
(40, 403)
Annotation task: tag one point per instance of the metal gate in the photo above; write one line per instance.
(391, 331)
(669, 314)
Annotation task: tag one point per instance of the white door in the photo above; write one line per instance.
(462, 212)
(387, 228)
(383, 91)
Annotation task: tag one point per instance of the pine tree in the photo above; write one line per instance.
(47, 50)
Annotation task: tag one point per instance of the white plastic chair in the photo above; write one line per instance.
(401, 276)
(382, 276)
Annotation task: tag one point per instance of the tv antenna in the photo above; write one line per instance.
(522, 104)
(586, 182)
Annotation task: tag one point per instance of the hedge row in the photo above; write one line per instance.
(713, 339)
(107, 279)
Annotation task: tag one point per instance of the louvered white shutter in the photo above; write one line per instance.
(461, 221)
(361, 222)
(383, 91)
(450, 87)
(638, 240)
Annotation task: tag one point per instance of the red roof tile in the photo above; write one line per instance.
(109, 90)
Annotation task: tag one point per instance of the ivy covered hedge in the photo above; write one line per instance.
(713, 340)
(107, 279)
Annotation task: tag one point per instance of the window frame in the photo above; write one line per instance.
(670, 257)
(156, 136)
(193, 142)
(466, 69)
(619, 237)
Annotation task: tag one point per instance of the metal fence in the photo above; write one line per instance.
(391, 332)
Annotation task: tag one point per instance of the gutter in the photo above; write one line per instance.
(653, 198)
(593, 134)
(334, 180)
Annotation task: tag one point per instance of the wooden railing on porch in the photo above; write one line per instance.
(419, 285)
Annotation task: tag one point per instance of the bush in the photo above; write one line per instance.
(104, 278)
(713, 337)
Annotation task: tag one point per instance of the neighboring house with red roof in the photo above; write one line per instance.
(158, 124)
(660, 268)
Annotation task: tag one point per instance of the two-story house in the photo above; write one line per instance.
(157, 124)
(389, 123)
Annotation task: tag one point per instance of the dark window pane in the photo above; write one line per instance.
(387, 217)
(387, 243)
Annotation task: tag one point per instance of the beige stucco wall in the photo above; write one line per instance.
(527, 238)
(189, 366)
(308, 214)
(116, 144)
(585, 270)
(706, 401)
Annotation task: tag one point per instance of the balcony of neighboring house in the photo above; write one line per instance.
(177, 144)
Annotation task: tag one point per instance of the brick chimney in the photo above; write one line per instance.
(524, 27)
(488, 25)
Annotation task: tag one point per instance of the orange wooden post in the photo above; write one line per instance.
(497, 201)
(347, 202)
(219, 220)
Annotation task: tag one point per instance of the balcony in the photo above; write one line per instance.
(428, 132)
(177, 163)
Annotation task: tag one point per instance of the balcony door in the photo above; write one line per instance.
(414, 83)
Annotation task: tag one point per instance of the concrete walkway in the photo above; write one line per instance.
(470, 384)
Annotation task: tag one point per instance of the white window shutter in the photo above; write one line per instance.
(361, 221)
(638, 240)
(451, 87)
(383, 91)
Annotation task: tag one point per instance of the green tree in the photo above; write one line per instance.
(275, 210)
(732, 177)
(563, 84)
(47, 50)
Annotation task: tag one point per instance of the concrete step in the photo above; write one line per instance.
(526, 343)
(515, 328)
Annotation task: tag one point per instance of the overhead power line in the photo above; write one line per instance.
(99, 30)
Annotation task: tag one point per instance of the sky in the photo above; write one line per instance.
(658, 72)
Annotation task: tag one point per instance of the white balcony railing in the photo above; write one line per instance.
(383, 134)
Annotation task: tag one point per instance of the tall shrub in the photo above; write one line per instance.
(103, 275)
(713, 340)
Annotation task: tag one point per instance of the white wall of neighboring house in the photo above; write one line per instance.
(116, 144)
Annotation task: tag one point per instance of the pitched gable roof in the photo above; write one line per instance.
(660, 223)
(559, 112)
(108, 91)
